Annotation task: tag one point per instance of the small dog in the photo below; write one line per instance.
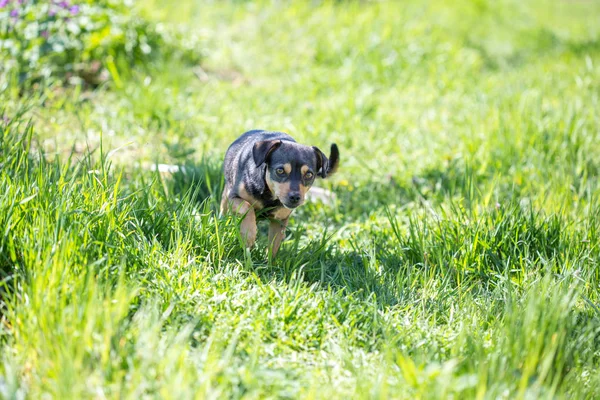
(267, 174)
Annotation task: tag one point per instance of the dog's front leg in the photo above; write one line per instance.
(224, 201)
(248, 226)
(276, 234)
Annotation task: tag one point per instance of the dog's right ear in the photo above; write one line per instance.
(327, 166)
(261, 150)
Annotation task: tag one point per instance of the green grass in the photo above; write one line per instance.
(459, 260)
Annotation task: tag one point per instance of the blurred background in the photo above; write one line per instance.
(412, 91)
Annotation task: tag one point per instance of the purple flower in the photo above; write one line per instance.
(45, 34)
(52, 12)
(14, 13)
(4, 3)
(74, 10)
(63, 4)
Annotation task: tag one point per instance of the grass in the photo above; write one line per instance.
(459, 260)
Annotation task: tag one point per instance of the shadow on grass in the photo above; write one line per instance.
(204, 179)
(354, 272)
(389, 275)
(395, 263)
(409, 262)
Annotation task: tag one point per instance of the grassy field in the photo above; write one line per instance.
(460, 259)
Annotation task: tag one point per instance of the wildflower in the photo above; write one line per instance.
(63, 4)
(14, 13)
(45, 34)
(74, 10)
(51, 12)
(4, 3)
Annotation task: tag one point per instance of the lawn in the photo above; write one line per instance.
(459, 259)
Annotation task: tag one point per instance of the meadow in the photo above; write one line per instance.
(459, 259)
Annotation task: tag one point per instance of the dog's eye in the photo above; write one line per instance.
(308, 176)
(279, 171)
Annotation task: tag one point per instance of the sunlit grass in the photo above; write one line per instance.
(460, 258)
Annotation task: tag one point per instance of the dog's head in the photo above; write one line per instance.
(292, 168)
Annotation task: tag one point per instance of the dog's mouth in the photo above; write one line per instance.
(291, 206)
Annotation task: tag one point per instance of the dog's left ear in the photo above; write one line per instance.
(262, 150)
(327, 166)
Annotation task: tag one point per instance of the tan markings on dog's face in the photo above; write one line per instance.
(243, 193)
(282, 213)
(303, 190)
(308, 180)
(287, 167)
(280, 190)
(271, 185)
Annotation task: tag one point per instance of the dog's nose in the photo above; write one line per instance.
(294, 197)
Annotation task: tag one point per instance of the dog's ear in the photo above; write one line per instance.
(322, 163)
(262, 150)
(327, 166)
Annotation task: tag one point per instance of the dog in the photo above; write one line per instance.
(267, 175)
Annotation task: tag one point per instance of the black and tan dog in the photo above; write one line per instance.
(267, 174)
